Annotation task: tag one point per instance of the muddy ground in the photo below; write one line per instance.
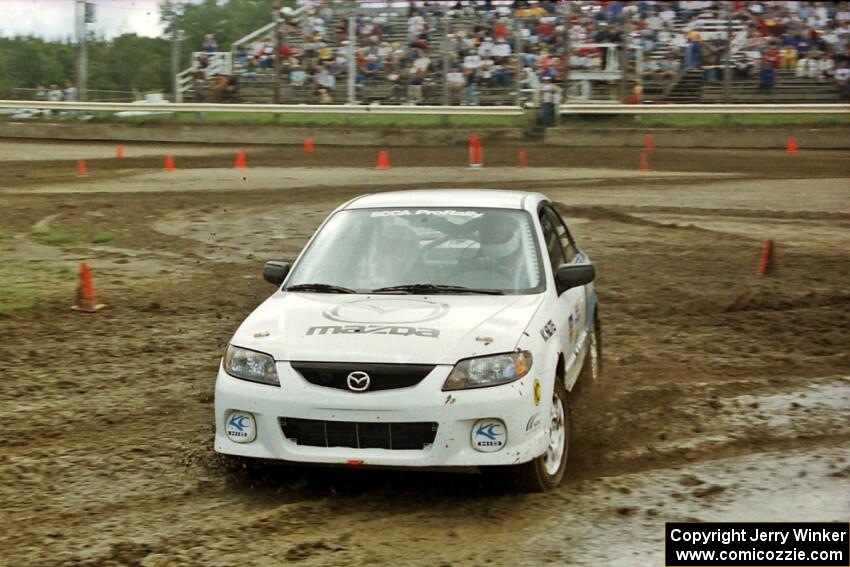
(725, 396)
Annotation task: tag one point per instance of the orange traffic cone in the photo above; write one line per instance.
(522, 158)
(792, 145)
(644, 161)
(241, 162)
(86, 300)
(119, 151)
(169, 163)
(383, 159)
(82, 170)
(475, 152)
(309, 148)
(764, 261)
(649, 142)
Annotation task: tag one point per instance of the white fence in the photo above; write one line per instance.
(573, 108)
(263, 108)
(705, 109)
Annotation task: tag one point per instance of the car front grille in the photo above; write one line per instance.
(381, 376)
(358, 434)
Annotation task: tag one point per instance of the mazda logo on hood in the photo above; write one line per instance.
(358, 381)
(387, 311)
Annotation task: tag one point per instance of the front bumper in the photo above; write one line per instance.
(454, 412)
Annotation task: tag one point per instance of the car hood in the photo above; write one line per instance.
(437, 329)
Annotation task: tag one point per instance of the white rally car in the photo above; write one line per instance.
(440, 328)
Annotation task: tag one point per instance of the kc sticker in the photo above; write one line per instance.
(240, 427)
(489, 435)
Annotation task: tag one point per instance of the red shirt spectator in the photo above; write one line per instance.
(771, 58)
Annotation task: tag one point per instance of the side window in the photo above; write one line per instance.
(563, 234)
(553, 244)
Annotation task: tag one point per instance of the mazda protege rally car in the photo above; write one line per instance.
(440, 328)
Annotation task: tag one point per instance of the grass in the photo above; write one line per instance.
(5, 235)
(23, 284)
(16, 296)
(704, 120)
(53, 235)
(321, 120)
(102, 237)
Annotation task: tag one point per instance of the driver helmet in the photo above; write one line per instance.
(499, 241)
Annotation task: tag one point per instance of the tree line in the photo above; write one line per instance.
(129, 62)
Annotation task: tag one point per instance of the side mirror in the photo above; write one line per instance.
(275, 272)
(568, 277)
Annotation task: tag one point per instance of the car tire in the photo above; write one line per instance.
(546, 471)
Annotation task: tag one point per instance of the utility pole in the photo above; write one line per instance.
(567, 50)
(727, 75)
(446, 100)
(175, 54)
(82, 59)
(276, 96)
(624, 60)
(518, 60)
(352, 57)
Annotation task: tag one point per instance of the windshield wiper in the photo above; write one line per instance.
(435, 288)
(319, 288)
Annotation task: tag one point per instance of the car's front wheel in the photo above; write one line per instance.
(547, 470)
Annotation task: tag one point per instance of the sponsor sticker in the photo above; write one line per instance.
(538, 392)
(240, 427)
(548, 330)
(427, 212)
(533, 423)
(489, 435)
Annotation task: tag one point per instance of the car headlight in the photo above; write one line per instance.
(488, 370)
(250, 365)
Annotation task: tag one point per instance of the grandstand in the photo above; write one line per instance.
(688, 48)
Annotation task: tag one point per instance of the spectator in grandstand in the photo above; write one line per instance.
(297, 76)
(826, 66)
(40, 93)
(470, 93)
(842, 79)
(218, 87)
(241, 55)
(693, 52)
(199, 85)
(70, 92)
(210, 43)
(325, 85)
(397, 85)
(457, 82)
(250, 71)
(54, 94)
(668, 69)
(231, 89)
(767, 73)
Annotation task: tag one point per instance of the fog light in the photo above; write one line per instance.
(489, 435)
(240, 427)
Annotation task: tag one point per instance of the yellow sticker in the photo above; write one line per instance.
(538, 392)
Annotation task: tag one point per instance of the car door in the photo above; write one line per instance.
(572, 304)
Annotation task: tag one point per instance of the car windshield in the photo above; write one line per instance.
(423, 250)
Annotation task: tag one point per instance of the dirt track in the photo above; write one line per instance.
(726, 396)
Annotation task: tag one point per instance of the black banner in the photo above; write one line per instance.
(757, 544)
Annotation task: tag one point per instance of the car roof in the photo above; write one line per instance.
(487, 198)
